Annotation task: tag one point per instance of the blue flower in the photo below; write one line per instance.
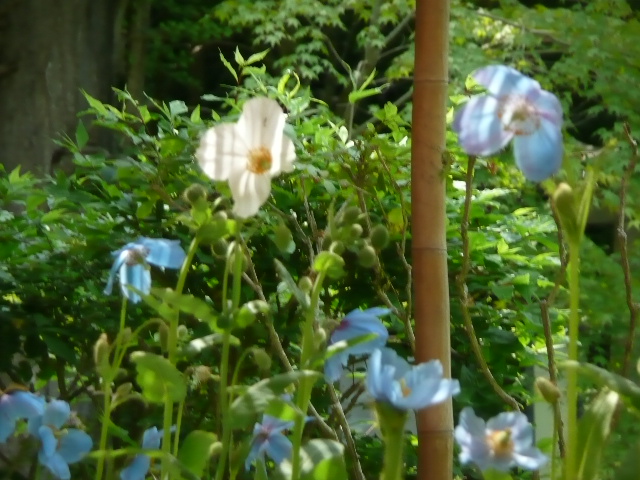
(392, 380)
(268, 439)
(356, 324)
(132, 259)
(17, 405)
(138, 468)
(59, 448)
(503, 442)
(517, 108)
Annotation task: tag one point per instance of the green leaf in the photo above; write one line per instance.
(330, 263)
(171, 146)
(195, 451)
(492, 474)
(195, 115)
(158, 378)
(238, 57)
(593, 430)
(256, 57)
(286, 277)
(188, 304)
(177, 107)
(226, 63)
(360, 94)
(603, 378)
(82, 136)
(630, 466)
(321, 459)
(246, 407)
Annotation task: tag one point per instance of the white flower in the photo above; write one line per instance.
(248, 153)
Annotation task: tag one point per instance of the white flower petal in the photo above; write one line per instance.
(249, 191)
(222, 148)
(261, 123)
(284, 161)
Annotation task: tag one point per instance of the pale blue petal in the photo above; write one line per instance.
(365, 316)
(522, 434)
(151, 438)
(56, 413)
(374, 385)
(274, 424)
(74, 445)
(7, 427)
(501, 80)
(25, 404)
(162, 252)
(137, 469)
(471, 423)
(121, 256)
(479, 128)
(48, 441)
(278, 447)
(539, 155)
(547, 106)
(503, 421)
(351, 332)
(56, 464)
(333, 367)
(530, 458)
(137, 276)
(400, 365)
(256, 451)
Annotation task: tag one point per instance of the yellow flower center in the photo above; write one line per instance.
(259, 160)
(406, 391)
(500, 442)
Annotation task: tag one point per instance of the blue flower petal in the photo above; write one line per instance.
(539, 155)
(74, 445)
(15, 406)
(56, 464)
(56, 413)
(530, 458)
(48, 441)
(351, 332)
(137, 469)
(151, 438)
(479, 128)
(278, 447)
(547, 106)
(137, 276)
(333, 367)
(501, 80)
(163, 253)
(121, 256)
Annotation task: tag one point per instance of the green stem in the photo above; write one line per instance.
(176, 437)
(107, 380)
(393, 455)
(306, 384)
(572, 379)
(172, 348)
(224, 367)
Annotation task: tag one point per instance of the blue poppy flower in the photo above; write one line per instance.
(268, 439)
(16, 405)
(506, 440)
(515, 107)
(138, 468)
(59, 447)
(392, 380)
(131, 263)
(356, 323)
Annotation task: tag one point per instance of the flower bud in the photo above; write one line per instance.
(337, 248)
(548, 390)
(202, 373)
(163, 336)
(183, 332)
(565, 203)
(101, 353)
(379, 237)
(262, 359)
(234, 250)
(122, 391)
(355, 231)
(305, 284)
(282, 237)
(219, 248)
(195, 194)
(367, 257)
(350, 215)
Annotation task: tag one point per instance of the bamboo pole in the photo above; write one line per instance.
(429, 248)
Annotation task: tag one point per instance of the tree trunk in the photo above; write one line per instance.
(49, 51)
